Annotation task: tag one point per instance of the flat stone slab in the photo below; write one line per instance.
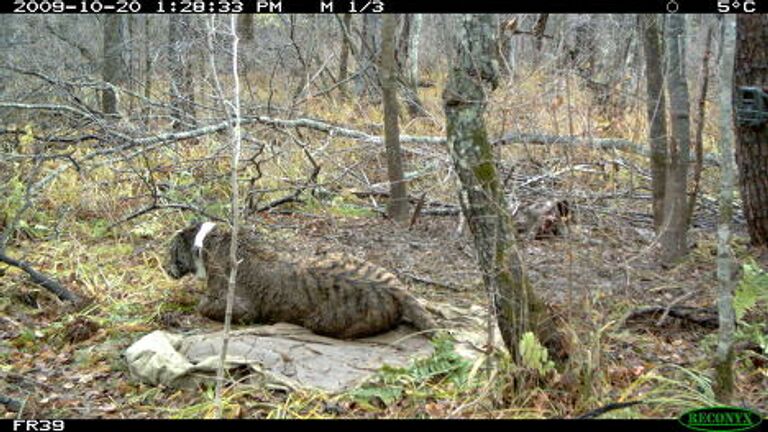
(282, 353)
(294, 357)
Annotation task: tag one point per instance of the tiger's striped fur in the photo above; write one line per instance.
(332, 294)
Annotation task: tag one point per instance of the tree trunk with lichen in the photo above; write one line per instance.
(474, 74)
(726, 265)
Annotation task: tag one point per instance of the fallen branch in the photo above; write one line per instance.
(705, 317)
(606, 408)
(51, 139)
(156, 206)
(40, 278)
(292, 198)
(600, 143)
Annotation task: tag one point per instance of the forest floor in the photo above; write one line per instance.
(602, 269)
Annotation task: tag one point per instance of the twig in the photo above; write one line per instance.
(417, 210)
(155, 206)
(310, 183)
(671, 305)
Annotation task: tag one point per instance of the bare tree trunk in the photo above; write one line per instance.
(538, 34)
(180, 71)
(233, 112)
(674, 235)
(752, 141)
(474, 74)
(147, 69)
(538, 30)
(402, 42)
(397, 208)
(7, 36)
(245, 27)
(131, 54)
(700, 119)
(415, 107)
(506, 57)
(113, 67)
(365, 84)
(414, 40)
(723, 364)
(346, 22)
(656, 111)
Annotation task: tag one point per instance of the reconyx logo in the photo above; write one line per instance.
(720, 418)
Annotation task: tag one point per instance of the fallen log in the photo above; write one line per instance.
(704, 317)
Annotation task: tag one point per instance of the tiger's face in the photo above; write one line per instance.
(180, 260)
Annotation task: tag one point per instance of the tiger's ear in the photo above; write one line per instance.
(189, 233)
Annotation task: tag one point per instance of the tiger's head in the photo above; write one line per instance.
(185, 251)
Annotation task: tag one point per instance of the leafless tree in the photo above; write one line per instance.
(114, 65)
(180, 70)
(656, 111)
(346, 47)
(674, 236)
(397, 208)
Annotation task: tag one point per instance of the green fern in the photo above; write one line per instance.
(752, 290)
(443, 367)
(534, 355)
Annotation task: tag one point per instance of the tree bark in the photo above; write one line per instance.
(113, 67)
(723, 363)
(752, 141)
(538, 31)
(346, 22)
(397, 207)
(415, 107)
(367, 78)
(245, 27)
(656, 112)
(147, 70)
(674, 235)
(181, 83)
(700, 119)
(474, 74)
